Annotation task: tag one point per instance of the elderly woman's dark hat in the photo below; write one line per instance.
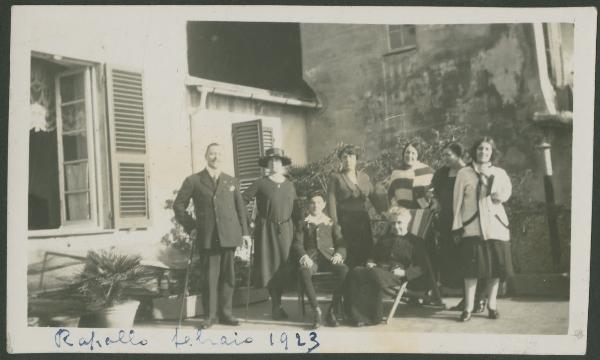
(349, 149)
(272, 154)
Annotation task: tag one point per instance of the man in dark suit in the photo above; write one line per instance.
(220, 227)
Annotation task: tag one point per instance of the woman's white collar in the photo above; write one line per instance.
(319, 219)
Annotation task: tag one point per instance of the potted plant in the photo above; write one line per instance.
(105, 284)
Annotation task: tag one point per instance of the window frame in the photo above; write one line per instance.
(94, 131)
(91, 149)
(403, 48)
(103, 177)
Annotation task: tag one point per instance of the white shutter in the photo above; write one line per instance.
(129, 162)
(267, 133)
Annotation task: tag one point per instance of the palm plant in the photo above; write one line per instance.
(107, 276)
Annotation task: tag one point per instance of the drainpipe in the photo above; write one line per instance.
(544, 146)
(550, 204)
(191, 112)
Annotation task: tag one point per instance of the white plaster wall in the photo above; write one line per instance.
(141, 38)
(295, 138)
(210, 126)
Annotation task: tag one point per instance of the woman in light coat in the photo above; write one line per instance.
(481, 225)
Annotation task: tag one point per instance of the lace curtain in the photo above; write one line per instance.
(43, 114)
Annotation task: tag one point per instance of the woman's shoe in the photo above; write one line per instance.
(465, 316)
(480, 306)
(493, 314)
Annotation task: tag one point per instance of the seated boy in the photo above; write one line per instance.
(318, 245)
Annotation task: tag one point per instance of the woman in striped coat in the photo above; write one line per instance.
(410, 188)
(410, 184)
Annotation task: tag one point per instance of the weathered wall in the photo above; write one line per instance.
(342, 64)
(482, 77)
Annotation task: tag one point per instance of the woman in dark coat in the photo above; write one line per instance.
(347, 194)
(276, 213)
(397, 257)
(443, 186)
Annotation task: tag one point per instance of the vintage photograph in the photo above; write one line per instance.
(190, 174)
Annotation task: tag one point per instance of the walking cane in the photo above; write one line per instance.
(184, 292)
(251, 256)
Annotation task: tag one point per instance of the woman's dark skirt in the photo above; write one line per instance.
(448, 258)
(357, 235)
(485, 259)
(364, 291)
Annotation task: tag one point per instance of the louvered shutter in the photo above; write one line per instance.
(267, 138)
(250, 140)
(129, 162)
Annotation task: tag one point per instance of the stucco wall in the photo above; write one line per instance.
(131, 39)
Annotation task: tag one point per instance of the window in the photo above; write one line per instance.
(74, 139)
(87, 156)
(250, 140)
(402, 37)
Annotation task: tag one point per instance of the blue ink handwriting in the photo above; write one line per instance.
(63, 336)
(201, 338)
(286, 342)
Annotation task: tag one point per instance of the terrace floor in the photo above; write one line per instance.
(519, 315)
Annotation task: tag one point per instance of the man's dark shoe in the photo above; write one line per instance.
(279, 314)
(207, 323)
(317, 318)
(331, 318)
(231, 321)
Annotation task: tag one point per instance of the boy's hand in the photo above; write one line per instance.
(306, 261)
(337, 259)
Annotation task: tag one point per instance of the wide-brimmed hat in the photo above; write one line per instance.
(274, 153)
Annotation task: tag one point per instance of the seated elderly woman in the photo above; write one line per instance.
(397, 257)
